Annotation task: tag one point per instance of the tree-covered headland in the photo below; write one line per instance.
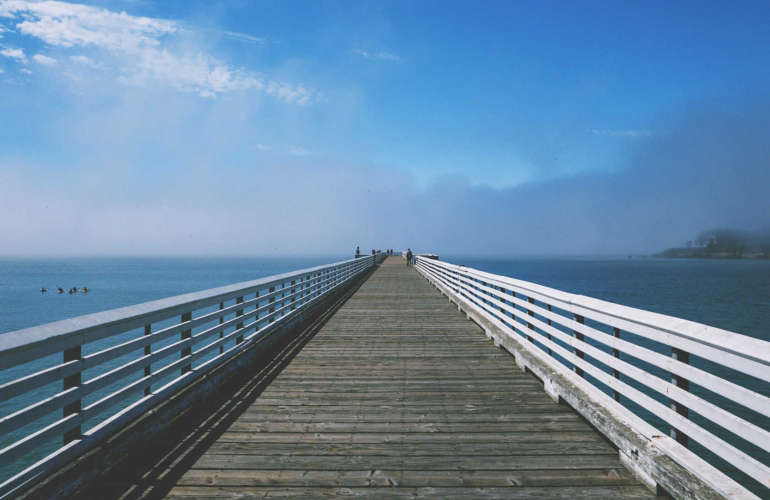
(724, 244)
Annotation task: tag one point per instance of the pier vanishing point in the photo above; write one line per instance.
(372, 378)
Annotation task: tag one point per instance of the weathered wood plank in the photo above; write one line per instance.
(569, 493)
(415, 437)
(371, 427)
(223, 447)
(408, 478)
(434, 462)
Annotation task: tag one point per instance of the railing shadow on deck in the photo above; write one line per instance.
(181, 451)
(108, 370)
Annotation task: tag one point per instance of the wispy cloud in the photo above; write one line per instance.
(17, 54)
(382, 56)
(298, 151)
(81, 59)
(621, 133)
(243, 37)
(141, 49)
(44, 60)
(262, 147)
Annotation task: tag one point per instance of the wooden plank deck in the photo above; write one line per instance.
(399, 395)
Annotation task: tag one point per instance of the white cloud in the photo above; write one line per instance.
(17, 54)
(2, 71)
(382, 56)
(26, 71)
(262, 147)
(68, 24)
(44, 60)
(622, 133)
(140, 49)
(81, 59)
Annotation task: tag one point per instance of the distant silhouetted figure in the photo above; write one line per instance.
(358, 252)
(408, 257)
(85, 289)
(60, 290)
(43, 290)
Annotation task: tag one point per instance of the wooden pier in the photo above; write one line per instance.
(367, 378)
(398, 395)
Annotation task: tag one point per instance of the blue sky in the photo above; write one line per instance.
(128, 125)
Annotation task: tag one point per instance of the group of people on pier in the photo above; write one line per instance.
(408, 255)
(358, 251)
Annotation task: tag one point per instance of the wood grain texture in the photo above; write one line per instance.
(399, 395)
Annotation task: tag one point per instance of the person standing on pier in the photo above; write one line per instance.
(408, 257)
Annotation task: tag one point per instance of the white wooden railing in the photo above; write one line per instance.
(66, 385)
(641, 360)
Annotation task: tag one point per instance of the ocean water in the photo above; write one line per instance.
(729, 294)
(118, 282)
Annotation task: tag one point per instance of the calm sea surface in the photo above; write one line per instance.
(729, 294)
(117, 282)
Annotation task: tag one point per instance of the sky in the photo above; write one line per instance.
(142, 127)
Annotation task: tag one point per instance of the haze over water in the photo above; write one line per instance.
(730, 294)
(297, 130)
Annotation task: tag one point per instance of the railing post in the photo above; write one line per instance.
(530, 313)
(271, 310)
(549, 335)
(577, 351)
(186, 334)
(239, 312)
(683, 384)
(147, 352)
(293, 297)
(616, 353)
(256, 314)
(513, 314)
(513, 306)
(221, 330)
(74, 380)
(502, 300)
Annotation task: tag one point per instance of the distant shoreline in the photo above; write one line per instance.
(704, 253)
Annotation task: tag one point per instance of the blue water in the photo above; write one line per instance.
(730, 294)
(117, 282)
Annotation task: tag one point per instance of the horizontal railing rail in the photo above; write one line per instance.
(650, 370)
(64, 386)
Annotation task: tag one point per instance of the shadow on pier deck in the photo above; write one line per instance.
(397, 394)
